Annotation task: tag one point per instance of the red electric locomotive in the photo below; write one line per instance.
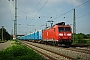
(58, 34)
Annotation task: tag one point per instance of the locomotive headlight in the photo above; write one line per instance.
(60, 34)
(68, 34)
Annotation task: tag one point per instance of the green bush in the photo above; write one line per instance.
(82, 41)
(19, 52)
(88, 42)
(75, 42)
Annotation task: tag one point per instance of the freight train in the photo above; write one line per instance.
(57, 34)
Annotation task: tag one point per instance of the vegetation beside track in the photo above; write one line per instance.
(81, 38)
(82, 42)
(19, 52)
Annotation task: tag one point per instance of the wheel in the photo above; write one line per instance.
(54, 43)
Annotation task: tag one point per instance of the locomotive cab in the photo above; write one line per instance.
(65, 34)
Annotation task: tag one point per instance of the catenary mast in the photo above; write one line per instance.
(15, 20)
(74, 26)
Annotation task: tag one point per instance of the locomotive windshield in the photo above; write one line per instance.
(62, 29)
(67, 29)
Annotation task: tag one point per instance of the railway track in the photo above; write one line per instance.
(69, 53)
(50, 54)
(79, 50)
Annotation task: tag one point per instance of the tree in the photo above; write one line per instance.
(6, 35)
(81, 36)
(88, 36)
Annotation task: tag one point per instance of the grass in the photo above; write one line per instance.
(19, 52)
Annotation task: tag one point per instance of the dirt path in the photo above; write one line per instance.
(4, 45)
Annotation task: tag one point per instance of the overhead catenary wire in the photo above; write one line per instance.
(38, 3)
(29, 14)
(58, 16)
(23, 11)
(71, 10)
(39, 10)
(82, 16)
(32, 11)
(76, 18)
(48, 15)
(59, 7)
(82, 4)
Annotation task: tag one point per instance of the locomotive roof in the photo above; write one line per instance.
(58, 24)
(61, 23)
(64, 25)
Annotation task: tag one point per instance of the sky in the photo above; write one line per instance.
(34, 14)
